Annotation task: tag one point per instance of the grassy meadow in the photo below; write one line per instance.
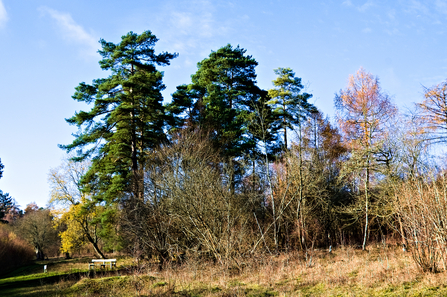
(379, 271)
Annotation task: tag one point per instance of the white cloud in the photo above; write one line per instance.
(365, 6)
(3, 14)
(198, 21)
(347, 3)
(392, 14)
(193, 24)
(73, 32)
(367, 30)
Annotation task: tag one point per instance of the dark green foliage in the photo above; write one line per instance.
(220, 99)
(290, 106)
(127, 118)
(5, 200)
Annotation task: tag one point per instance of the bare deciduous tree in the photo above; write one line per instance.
(363, 114)
(434, 112)
(37, 228)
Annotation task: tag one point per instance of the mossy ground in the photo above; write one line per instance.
(380, 271)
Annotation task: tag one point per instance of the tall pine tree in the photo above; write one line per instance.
(6, 201)
(127, 118)
(290, 106)
(221, 101)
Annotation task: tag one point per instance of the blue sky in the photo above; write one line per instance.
(48, 47)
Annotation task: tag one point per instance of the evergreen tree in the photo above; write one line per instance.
(127, 118)
(290, 106)
(219, 98)
(184, 108)
(6, 202)
(220, 102)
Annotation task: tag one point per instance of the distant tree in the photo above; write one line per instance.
(37, 228)
(364, 112)
(31, 207)
(127, 119)
(9, 211)
(290, 105)
(6, 204)
(5, 200)
(434, 113)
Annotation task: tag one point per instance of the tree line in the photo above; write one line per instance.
(228, 170)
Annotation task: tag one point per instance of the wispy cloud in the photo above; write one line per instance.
(366, 5)
(347, 3)
(3, 15)
(198, 21)
(191, 25)
(391, 15)
(72, 31)
(367, 30)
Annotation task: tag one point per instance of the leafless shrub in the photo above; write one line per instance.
(189, 206)
(14, 251)
(422, 206)
(36, 227)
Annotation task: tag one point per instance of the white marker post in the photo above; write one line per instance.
(44, 268)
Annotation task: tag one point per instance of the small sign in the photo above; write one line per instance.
(45, 268)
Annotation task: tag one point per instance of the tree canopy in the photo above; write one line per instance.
(434, 112)
(290, 106)
(364, 113)
(220, 98)
(127, 118)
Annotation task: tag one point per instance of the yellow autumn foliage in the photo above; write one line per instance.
(73, 208)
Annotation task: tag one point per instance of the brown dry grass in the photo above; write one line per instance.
(379, 271)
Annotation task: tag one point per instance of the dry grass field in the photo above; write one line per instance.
(379, 271)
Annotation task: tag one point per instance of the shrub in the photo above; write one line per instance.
(14, 251)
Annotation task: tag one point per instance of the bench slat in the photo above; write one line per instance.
(104, 260)
(112, 262)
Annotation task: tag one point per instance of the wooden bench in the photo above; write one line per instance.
(102, 262)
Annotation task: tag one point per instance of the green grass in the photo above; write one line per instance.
(31, 280)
